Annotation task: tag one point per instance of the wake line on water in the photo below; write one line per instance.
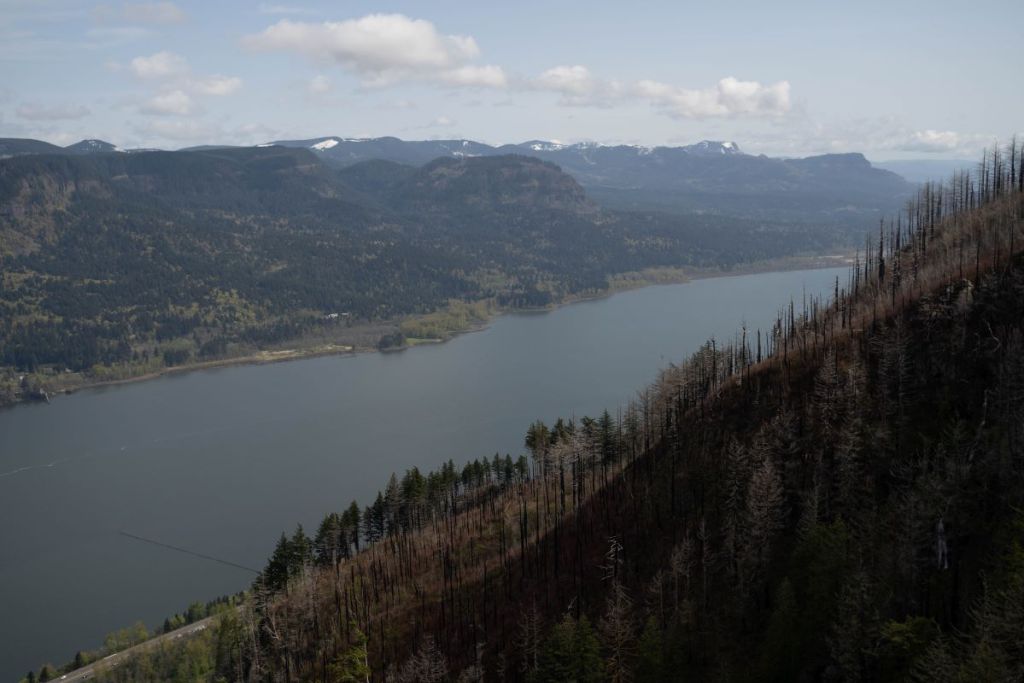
(47, 466)
(189, 552)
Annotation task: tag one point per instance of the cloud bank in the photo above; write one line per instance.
(383, 49)
(727, 98)
(177, 84)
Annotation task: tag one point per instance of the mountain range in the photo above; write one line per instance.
(709, 177)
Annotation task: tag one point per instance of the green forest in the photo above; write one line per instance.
(840, 497)
(119, 265)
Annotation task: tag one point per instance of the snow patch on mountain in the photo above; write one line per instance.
(710, 147)
(552, 146)
(325, 144)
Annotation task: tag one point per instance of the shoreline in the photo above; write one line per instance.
(621, 282)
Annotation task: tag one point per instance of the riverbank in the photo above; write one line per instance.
(457, 319)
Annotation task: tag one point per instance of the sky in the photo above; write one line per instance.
(893, 80)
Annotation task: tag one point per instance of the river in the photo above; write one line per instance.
(219, 462)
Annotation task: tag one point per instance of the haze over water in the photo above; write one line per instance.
(219, 462)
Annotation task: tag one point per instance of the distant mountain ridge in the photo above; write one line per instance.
(10, 147)
(707, 177)
(341, 150)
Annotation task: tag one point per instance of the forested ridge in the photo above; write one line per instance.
(836, 498)
(114, 265)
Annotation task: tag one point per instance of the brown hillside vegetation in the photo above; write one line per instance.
(838, 498)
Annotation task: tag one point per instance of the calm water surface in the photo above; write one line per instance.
(221, 461)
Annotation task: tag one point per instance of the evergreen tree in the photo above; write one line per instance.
(353, 665)
(300, 551)
(275, 575)
(571, 652)
(353, 524)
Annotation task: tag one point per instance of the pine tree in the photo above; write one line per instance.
(353, 524)
(353, 665)
(571, 652)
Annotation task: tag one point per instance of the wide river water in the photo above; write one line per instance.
(219, 462)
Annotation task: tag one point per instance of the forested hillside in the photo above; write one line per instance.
(837, 498)
(116, 264)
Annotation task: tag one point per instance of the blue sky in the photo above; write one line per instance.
(890, 79)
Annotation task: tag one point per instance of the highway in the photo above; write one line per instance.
(110, 661)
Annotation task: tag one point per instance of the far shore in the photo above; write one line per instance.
(619, 283)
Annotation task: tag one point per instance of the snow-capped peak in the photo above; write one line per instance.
(713, 147)
(325, 144)
(540, 145)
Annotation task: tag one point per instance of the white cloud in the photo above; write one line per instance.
(384, 49)
(56, 112)
(877, 137)
(932, 141)
(579, 87)
(216, 85)
(174, 102)
(488, 76)
(159, 65)
(729, 97)
(441, 122)
(177, 83)
(572, 80)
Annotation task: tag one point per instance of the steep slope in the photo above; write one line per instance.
(836, 499)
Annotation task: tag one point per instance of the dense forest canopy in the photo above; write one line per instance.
(837, 498)
(113, 264)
